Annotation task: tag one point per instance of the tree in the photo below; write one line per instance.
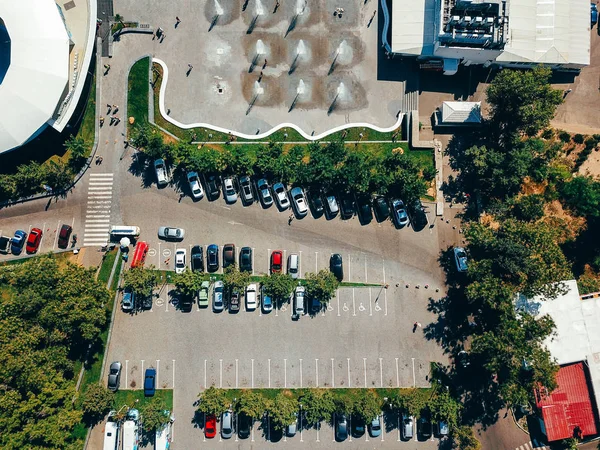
(323, 164)
(188, 282)
(268, 160)
(355, 173)
(206, 160)
(140, 135)
(279, 286)
(529, 207)
(463, 438)
(251, 403)
(522, 101)
(141, 280)
(317, 404)
(238, 160)
(154, 414)
(96, 402)
(282, 411)
(321, 285)
(367, 405)
(57, 175)
(155, 147)
(582, 196)
(213, 401)
(233, 278)
(444, 407)
(78, 148)
(413, 401)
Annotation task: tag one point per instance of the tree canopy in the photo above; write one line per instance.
(317, 404)
(321, 285)
(282, 410)
(213, 401)
(141, 280)
(50, 312)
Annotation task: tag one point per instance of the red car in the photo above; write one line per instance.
(210, 427)
(276, 261)
(33, 241)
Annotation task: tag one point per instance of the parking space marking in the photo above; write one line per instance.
(317, 371)
(385, 300)
(349, 382)
(365, 370)
(337, 294)
(382, 425)
(414, 376)
(398, 426)
(220, 373)
(56, 236)
(143, 366)
(397, 374)
(349, 268)
(318, 428)
(353, 304)
(300, 372)
(370, 302)
(159, 253)
(332, 374)
(380, 372)
(350, 426)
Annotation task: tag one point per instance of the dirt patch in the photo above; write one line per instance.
(560, 219)
(591, 166)
(490, 221)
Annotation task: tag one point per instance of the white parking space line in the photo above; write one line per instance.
(397, 374)
(349, 268)
(142, 369)
(56, 237)
(370, 302)
(353, 304)
(253, 253)
(349, 381)
(332, 374)
(414, 376)
(385, 300)
(300, 264)
(382, 426)
(300, 372)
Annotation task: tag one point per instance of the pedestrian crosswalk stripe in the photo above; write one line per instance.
(100, 175)
(96, 215)
(99, 226)
(97, 220)
(99, 188)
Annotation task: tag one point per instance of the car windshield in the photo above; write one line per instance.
(461, 254)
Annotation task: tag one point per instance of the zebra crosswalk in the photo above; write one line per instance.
(97, 215)
(531, 446)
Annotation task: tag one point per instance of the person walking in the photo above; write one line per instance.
(101, 121)
(177, 21)
(415, 326)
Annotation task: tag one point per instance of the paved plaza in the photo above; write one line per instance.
(251, 69)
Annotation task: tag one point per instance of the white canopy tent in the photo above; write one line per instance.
(38, 74)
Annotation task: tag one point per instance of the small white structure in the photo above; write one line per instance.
(111, 436)
(459, 114)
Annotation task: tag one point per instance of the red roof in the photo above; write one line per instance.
(569, 406)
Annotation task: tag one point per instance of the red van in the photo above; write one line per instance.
(139, 255)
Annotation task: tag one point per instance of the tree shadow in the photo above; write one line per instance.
(141, 167)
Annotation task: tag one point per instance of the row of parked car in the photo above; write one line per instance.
(31, 241)
(320, 203)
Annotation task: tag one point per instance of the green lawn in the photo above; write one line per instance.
(135, 398)
(138, 90)
(87, 129)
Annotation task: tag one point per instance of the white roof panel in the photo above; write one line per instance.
(413, 26)
(39, 68)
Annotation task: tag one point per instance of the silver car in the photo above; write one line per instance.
(171, 233)
(299, 201)
(264, 192)
(460, 257)
(218, 296)
(227, 424)
(180, 260)
(128, 303)
(399, 215)
(229, 190)
(375, 427)
(246, 189)
(331, 206)
(162, 176)
(195, 186)
(114, 376)
(407, 427)
(281, 196)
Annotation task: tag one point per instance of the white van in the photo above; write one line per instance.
(131, 430)
(124, 231)
(111, 436)
(162, 439)
(293, 265)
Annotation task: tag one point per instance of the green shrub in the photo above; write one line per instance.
(578, 138)
(564, 136)
(548, 133)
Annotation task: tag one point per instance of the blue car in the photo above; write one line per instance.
(212, 258)
(150, 382)
(594, 13)
(17, 242)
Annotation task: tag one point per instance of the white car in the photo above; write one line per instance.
(170, 233)
(299, 301)
(195, 186)
(229, 190)
(299, 201)
(281, 196)
(251, 302)
(180, 260)
(218, 296)
(162, 177)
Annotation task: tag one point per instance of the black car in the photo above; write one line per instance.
(64, 235)
(246, 259)
(315, 305)
(316, 203)
(424, 427)
(348, 206)
(418, 218)
(197, 256)
(212, 187)
(336, 266)
(244, 426)
(234, 301)
(365, 215)
(381, 208)
(147, 302)
(358, 426)
(212, 258)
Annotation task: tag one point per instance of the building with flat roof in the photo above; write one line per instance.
(45, 50)
(576, 348)
(443, 34)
